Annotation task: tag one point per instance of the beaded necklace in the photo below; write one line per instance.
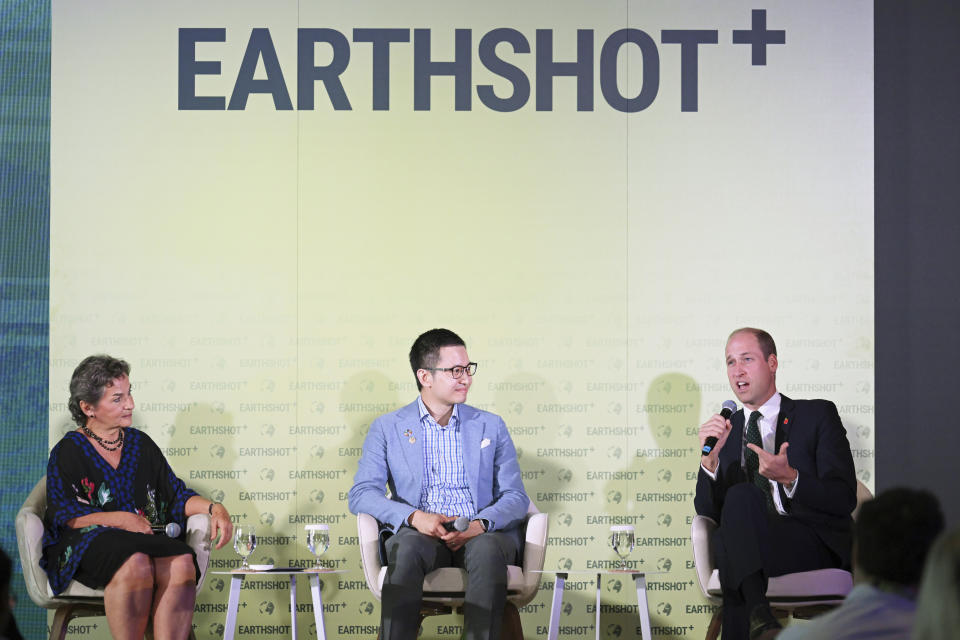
(104, 443)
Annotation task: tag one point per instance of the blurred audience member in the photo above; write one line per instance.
(938, 605)
(8, 626)
(892, 536)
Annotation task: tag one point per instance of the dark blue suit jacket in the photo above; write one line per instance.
(827, 490)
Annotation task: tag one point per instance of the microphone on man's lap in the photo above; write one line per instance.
(729, 406)
(462, 523)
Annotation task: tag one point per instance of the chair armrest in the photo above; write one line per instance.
(30, 542)
(535, 545)
(534, 554)
(701, 531)
(368, 531)
(198, 538)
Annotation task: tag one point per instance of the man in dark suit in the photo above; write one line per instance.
(779, 481)
(442, 459)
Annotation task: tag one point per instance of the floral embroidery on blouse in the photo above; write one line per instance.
(95, 497)
(152, 510)
(65, 557)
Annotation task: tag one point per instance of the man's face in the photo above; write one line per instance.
(441, 386)
(752, 378)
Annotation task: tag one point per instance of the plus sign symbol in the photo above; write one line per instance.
(758, 37)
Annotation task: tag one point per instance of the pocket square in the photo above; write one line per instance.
(485, 443)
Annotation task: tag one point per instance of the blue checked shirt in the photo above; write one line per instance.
(445, 489)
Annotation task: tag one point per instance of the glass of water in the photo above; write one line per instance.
(318, 540)
(622, 540)
(244, 542)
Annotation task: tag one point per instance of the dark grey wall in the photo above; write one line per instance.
(918, 246)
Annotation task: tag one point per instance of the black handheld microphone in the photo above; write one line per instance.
(171, 530)
(729, 406)
(462, 523)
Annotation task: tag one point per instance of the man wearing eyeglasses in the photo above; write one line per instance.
(444, 462)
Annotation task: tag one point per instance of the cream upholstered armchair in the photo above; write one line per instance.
(78, 600)
(443, 589)
(800, 595)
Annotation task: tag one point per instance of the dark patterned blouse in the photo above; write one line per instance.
(80, 482)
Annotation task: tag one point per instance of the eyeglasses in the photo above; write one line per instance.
(456, 372)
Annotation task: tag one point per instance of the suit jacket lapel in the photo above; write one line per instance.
(471, 433)
(784, 424)
(735, 439)
(408, 437)
(784, 421)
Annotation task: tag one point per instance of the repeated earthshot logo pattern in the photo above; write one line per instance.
(659, 477)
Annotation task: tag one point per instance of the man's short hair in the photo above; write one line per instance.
(426, 349)
(894, 532)
(767, 345)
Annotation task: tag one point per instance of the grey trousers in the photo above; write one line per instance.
(412, 555)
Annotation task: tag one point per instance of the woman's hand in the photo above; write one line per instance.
(117, 519)
(221, 524)
(131, 522)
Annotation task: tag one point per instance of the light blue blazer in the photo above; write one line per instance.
(391, 460)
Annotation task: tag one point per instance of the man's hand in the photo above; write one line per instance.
(456, 539)
(775, 467)
(718, 427)
(430, 524)
(220, 524)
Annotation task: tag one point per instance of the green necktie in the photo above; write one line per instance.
(753, 460)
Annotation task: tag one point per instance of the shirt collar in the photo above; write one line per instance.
(424, 414)
(770, 410)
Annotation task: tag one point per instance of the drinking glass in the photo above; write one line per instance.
(318, 540)
(622, 540)
(244, 542)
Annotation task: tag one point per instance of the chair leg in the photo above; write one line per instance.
(423, 616)
(512, 628)
(58, 630)
(713, 630)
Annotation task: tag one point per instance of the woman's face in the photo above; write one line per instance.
(115, 407)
